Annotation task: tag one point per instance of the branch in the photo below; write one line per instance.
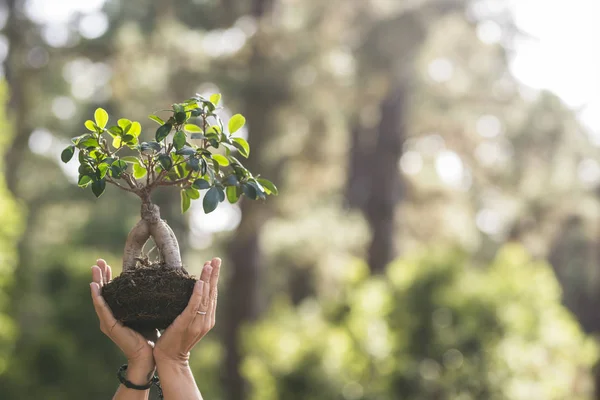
(106, 147)
(157, 181)
(176, 182)
(130, 181)
(148, 167)
(117, 184)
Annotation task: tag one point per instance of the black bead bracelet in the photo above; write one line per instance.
(130, 385)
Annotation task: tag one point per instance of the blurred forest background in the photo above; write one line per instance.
(436, 233)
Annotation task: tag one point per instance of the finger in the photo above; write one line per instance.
(201, 323)
(108, 273)
(206, 276)
(214, 278)
(214, 290)
(97, 275)
(103, 267)
(213, 313)
(190, 312)
(107, 320)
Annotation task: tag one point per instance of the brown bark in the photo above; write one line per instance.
(358, 183)
(18, 74)
(261, 99)
(385, 190)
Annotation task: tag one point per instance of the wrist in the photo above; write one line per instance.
(181, 361)
(140, 372)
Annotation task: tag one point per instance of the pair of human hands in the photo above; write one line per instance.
(175, 344)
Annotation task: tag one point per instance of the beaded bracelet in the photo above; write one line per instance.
(130, 385)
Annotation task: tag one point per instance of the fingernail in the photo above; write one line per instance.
(198, 287)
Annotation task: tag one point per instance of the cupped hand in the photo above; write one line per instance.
(133, 345)
(194, 322)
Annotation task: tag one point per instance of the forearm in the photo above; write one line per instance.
(137, 375)
(177, 381)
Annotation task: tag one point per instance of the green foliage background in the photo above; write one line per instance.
(432, 327)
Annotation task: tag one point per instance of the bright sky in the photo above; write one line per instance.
(564, 53)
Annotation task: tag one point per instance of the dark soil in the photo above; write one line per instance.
(149, 297)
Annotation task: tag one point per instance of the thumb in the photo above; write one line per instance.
(104, 314)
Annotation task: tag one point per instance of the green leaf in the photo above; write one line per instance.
(163, 131)
(193, 193)
(242, 145)
(179, 140)
(67, 154)
(101, 117)
(180, 117)
(179, 171)
(268, 186)
(260, 191)
(79, 138)
(124, 124)
(211, 200)
(194, 164)
(153, 146)
(222, 160)
(201, 184)
(135, 129)
(210, 106)
(215, 130)
(186, 151)
(192, 128)
(88, 142)
(178, 108)
(117, 168)
(108, 161)
(91, 125)
(84, 181)
(233, 193)
(165, 161)
(250, 191)
(131, 159)
(98, 187)
(117, 142)
(197, 136)
(215, 166)
(215, 98)
(97, 154)
(221, 193)
(231, 180)
(115, 131)
(103, 168)
(85, 169)
(185, 201)
(139, 171)
(156, 119)
(236, 122)
(191, 106)
(84, 158)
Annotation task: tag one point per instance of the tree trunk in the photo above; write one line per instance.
(358, 184)
(261, 100)
(18, 74)
(385, 190)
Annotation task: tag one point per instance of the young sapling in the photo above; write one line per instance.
(191, 151)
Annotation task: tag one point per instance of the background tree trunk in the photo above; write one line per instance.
(244, 252)
(385, 190)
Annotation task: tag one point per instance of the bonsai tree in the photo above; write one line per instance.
(191, 151)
